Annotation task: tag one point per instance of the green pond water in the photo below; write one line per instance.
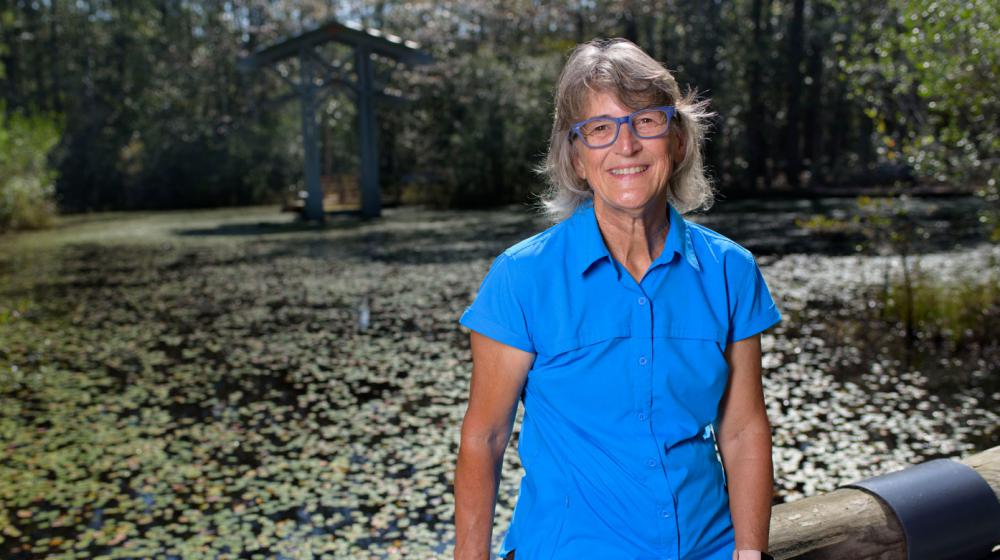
(234, 384)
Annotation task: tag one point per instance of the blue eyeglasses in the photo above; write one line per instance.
(601, 132)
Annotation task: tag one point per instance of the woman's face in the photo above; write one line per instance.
(632, 173)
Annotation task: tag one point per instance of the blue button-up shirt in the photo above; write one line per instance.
(617, 440)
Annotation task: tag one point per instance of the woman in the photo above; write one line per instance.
(632, 338)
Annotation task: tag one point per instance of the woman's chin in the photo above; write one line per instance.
(629, 199)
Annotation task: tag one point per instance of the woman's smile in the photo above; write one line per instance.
(630, 171)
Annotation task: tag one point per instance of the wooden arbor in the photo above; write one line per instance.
(316, 74)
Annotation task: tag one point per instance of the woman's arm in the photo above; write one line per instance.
(745, 445)
(498, 375)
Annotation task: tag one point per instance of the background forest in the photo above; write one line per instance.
(141, 104)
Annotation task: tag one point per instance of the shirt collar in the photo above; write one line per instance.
(588, 245)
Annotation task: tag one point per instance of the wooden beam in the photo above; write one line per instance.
(849, 523)
(371, 39)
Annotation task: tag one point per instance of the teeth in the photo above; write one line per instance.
(628, 170)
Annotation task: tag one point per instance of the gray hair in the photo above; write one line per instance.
(620, 68)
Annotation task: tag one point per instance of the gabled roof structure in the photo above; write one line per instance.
(365, 43)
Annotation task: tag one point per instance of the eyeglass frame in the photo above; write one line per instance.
(574, 130)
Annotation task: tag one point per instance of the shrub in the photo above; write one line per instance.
(27, 191)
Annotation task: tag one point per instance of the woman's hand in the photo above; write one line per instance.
(498, 375)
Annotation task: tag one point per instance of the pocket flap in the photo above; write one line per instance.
(587, 335)
(697, 333)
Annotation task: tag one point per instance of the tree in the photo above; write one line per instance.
(934, 67)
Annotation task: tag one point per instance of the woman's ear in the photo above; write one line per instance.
(581, 171)
(680, 149)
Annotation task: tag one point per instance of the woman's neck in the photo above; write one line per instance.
(634, 238)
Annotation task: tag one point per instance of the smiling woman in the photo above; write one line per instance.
(632, 338)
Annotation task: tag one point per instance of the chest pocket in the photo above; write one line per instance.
(695, 370)
(570, 338)
(705, 343)
(578, 369)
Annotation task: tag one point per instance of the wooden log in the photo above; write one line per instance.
(850, 523)
(987, 464)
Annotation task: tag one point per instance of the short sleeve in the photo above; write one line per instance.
(496, 311)
(753, 310)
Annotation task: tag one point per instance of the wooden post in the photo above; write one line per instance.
(371, 202)
(849, 523)
(310, 142)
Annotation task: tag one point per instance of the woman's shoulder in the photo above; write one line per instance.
(539, 248)
(715, 242)
(715, 247)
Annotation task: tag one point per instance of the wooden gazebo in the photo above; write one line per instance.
(317, 74)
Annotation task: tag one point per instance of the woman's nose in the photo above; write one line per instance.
(627, 143)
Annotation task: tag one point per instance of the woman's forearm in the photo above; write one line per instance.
(477, 477)
(749, 474)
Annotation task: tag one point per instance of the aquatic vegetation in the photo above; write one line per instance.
(963, 310)
(231, 385)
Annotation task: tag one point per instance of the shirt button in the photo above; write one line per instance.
(642, 301)
(651, 463)
(642, 360)
(642, 417)
(665, 514)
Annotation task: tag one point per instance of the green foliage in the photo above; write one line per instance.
(822, 223)
(26, 179)
(888, 225)
(13, 311)
(959, 310)
(928, 74)
(156, 113)
(882, 224)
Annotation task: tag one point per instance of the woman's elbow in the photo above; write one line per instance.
(480, 435)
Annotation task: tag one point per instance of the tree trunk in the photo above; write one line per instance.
(649, 19)
(814, 97)
(755, 117)
(793, 155)
(55, 63)
(629, 29)
(10, 62)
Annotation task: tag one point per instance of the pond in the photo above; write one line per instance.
(231, 384)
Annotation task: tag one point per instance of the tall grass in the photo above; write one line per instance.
(963, 309)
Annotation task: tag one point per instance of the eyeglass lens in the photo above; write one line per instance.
(645, 124)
